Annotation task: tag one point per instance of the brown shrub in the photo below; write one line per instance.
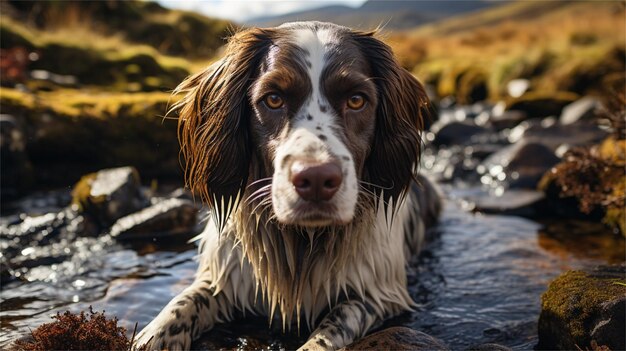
(84, 331)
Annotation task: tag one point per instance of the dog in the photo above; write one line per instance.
(304, 141)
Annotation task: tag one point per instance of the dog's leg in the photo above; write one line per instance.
(344, 324)
(192, 312)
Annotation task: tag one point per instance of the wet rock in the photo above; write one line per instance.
(397, 338)
(583, 109)
(16, 168)
(554, 135)
(521, 165)
(580, 307)
(541, 104)
(167, 218)
(109, 194)
(456, 133)
(510, 202)
(507, 119)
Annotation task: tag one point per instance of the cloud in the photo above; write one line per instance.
(241, 10)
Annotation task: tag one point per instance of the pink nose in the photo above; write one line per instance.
(316, 181)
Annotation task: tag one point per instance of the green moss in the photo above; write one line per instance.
(81, 194)
(570, 305)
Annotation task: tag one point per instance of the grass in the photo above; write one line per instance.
(82, 103)
(547, 42)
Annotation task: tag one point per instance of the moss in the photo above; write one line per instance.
(95, 60)
(571, 304)
(81, 194)
(73, 132)
(92, 331)
(614, 152)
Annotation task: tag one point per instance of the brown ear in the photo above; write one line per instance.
(214, 120)
(402, 107)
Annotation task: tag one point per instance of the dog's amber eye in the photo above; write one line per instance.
(356, 102)
(274, 101)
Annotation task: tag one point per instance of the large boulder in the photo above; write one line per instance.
(584, 307)
(109, 194)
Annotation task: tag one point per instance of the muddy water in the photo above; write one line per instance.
(479, 281)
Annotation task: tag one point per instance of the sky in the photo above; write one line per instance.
(241, 10)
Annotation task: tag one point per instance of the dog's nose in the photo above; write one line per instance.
(316, 181)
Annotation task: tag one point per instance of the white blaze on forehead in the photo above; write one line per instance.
(317, 44)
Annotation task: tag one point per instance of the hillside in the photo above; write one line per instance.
(559, 46)
(85, 85)
(393, 15)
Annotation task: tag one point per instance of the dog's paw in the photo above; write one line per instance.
(163, 334)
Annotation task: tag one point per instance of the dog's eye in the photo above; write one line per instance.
(356, 102)
(274, 101)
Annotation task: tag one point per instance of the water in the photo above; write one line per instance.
(479, 281)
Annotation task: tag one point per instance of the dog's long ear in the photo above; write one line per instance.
(402, 105)
(214, 120)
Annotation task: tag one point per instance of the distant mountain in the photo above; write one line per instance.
(392, 14)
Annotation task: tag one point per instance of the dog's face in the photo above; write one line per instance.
(323, 111)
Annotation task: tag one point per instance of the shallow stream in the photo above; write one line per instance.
(479, 281)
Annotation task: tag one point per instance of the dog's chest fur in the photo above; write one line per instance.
(297, 274)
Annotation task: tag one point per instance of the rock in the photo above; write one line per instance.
(583, 109)
(580, 307)
(456, 133)
(397, 338)
(489, 347)
(541, 104)
(109, 194)
(517, 87)
(589, 183)
(510, 202)
(578, 134)
(507, 119)
(522, 164)
(167, 218)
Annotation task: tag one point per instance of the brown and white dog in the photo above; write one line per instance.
(304, 140)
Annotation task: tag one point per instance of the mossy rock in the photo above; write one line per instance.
(538, 104)
(69, 133)
(581, 307)
(109, 194)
